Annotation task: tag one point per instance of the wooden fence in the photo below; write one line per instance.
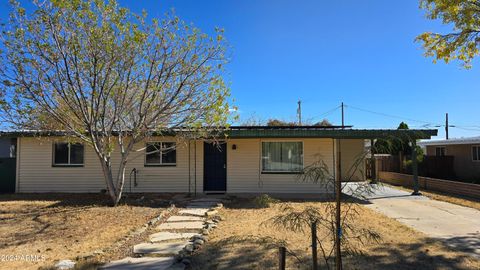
(427, 183)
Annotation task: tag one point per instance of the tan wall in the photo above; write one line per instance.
(464, 166)
(36, 173)
(244, 168)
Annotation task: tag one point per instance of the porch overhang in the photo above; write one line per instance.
(335, 133)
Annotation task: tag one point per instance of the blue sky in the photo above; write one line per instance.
(324, 52)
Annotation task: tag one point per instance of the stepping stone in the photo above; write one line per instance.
(184, 218)
(144, 263)
(202, 205)
(160, 248)
(165, 236)
(194, 212)
(190, 225)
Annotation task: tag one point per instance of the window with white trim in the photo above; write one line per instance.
(282, 157)
(476, 153)
(160, 154)
(68, 154)
(440, 151)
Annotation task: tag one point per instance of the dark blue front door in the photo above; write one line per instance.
(215, 167)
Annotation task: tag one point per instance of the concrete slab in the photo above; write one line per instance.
(185, 218)
(160, 248)
(194, 212)
(144, 263)
(456, 226)
(166, 236)
(190, 225)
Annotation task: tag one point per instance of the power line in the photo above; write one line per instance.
(426, 123)
(393, 116)
(326, 113)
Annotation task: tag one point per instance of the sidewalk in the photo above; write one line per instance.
(456, 226)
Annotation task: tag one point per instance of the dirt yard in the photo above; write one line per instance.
(36, 230)
(246, 241)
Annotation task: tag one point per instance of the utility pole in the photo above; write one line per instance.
(299, 112)
(446, 126)
(343, 117)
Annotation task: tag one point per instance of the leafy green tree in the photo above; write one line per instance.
(108, 77)
(463, 42)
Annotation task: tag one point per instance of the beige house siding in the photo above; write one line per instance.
(352, 153)
(36, 173)
(465, 168)
(244, 167)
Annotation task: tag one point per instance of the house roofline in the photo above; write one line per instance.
(335, 132)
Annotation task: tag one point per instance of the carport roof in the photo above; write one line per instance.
(335, 132)
(327, 132)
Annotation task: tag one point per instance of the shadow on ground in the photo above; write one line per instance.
(91, 199)
(468, 243)
(262, 253)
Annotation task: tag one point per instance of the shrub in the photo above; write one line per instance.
(264, 201)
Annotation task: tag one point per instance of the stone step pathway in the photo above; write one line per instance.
(166, 236)
(144, 263)
(176, 239)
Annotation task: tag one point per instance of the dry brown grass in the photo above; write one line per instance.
(440, 196)
(65, 226)
(243, 241)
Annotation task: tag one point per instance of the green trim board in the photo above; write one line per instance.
(269, 132)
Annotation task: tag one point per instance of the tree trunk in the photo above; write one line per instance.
(107, 173)
(120, 183)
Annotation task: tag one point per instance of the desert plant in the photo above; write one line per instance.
(264, 201)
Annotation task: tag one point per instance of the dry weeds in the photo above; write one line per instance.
(243, 241)
(65, 226)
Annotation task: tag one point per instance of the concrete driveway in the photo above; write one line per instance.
(456, 226)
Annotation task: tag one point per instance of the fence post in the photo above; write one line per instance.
(282, 258)
(314, 245)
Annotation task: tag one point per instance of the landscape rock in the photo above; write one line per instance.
(205, 232)
(198, 242)
(189, 248)
(65, 265)
(211, 213)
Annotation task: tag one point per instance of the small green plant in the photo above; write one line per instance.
(264, 201)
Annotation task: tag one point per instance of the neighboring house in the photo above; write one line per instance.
(250, 160)
(465, 152)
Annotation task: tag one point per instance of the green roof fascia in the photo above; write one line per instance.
(337, 134)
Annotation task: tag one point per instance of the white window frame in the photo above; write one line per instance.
(478, 153)
(444, 151)
(263, 171)
(160, 163)
(69, 164)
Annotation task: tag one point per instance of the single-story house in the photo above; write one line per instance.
(248, 159)
(465, 153)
